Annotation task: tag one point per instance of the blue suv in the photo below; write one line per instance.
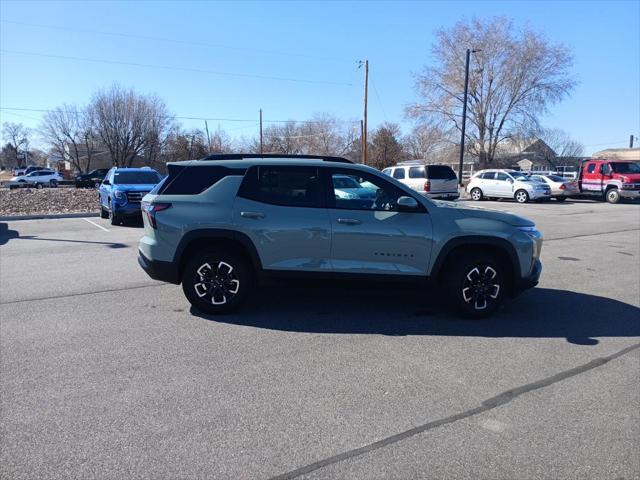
(122, 190)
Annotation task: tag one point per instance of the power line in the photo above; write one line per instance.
(171, 67)
(379, 100)
(178, 117)
(173, 40)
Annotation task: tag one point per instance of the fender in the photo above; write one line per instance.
(218, 233)
(469, 240)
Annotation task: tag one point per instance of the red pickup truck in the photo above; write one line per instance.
(611, 180)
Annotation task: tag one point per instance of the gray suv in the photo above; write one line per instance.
(217, 225)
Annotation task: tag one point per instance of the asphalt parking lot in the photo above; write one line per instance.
(106, 373)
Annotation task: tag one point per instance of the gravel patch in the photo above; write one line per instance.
(31, 201)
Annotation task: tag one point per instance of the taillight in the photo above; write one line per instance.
(563, 187)
(427, 186)
(150, 210)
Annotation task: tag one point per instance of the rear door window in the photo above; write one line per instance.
(488, 175)
(416, 172)
(398, 173)
(282, 185)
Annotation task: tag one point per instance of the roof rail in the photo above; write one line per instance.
(243, 156)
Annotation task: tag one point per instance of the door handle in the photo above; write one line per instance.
(349, 221)
(254, 215)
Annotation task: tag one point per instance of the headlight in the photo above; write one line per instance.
(120, 196)
(536, 236)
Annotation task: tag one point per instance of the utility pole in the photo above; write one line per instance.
(206, 127)
(260, 130)
(631, 141)
(464, 112)
(364, 124)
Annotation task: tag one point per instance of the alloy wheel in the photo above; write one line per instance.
(217, 284)
(481, 287)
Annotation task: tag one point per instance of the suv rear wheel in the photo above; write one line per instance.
(475, 283)
(216, 281)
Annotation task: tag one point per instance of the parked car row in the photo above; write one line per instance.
(36, 177)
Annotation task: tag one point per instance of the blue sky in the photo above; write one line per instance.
(305, 42)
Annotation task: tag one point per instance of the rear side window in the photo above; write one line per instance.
(591, 168)
(192, 180)
(282, 185)
(416, 172)
(398, 173)
(440, 172)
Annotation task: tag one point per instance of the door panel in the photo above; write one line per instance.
(373, 236)
(280, 209)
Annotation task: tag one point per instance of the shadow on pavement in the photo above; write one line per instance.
(6, 235)
(538, 313)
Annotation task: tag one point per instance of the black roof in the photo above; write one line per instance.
(242, 156)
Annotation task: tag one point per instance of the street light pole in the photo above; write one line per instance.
(464, 115)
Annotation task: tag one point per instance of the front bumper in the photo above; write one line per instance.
(633, 194)
(128, 209)
(158, 270)
(524, 283)
(539, 194)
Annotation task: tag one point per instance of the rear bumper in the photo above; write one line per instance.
(443, 195)
(524, 283)
(158, 270)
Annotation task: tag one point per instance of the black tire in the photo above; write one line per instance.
(475, 283)
(521, 196)
(113, 218)
(476, 194)
(53, 183)
(561, 199)
(103, 212)
(39, 186)
(212, 276)
(612, 195)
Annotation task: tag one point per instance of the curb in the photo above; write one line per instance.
(12, 218)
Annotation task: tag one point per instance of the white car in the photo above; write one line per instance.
(561, 188)
(506, 184)
(38, 179)
(434, 181)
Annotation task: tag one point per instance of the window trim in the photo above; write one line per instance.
(326, 174)
(252, 175)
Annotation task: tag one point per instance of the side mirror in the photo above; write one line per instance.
(510, 180)
(407, 203)
(106, 182)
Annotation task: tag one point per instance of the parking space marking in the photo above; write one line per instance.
(95, 224)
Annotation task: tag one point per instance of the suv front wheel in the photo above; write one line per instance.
(475, 282)
(216, 281)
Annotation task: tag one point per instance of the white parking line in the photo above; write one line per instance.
(95, 224)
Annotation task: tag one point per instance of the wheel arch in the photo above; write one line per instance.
(201, 239)
(501, 248)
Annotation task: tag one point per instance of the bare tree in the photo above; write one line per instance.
(130, 125)
(185, 145)
(425, 141)
(561, 144)
(17, 137)
(515, 76)
(69, 132)
(220, 141)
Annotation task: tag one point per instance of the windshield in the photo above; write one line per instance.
(136, 178)
(556, 178)
(625, 167)
(521, 177)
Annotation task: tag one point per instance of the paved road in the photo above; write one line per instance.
(108, 374)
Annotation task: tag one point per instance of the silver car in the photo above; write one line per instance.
(561, 188)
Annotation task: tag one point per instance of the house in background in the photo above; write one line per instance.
(618, 154)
